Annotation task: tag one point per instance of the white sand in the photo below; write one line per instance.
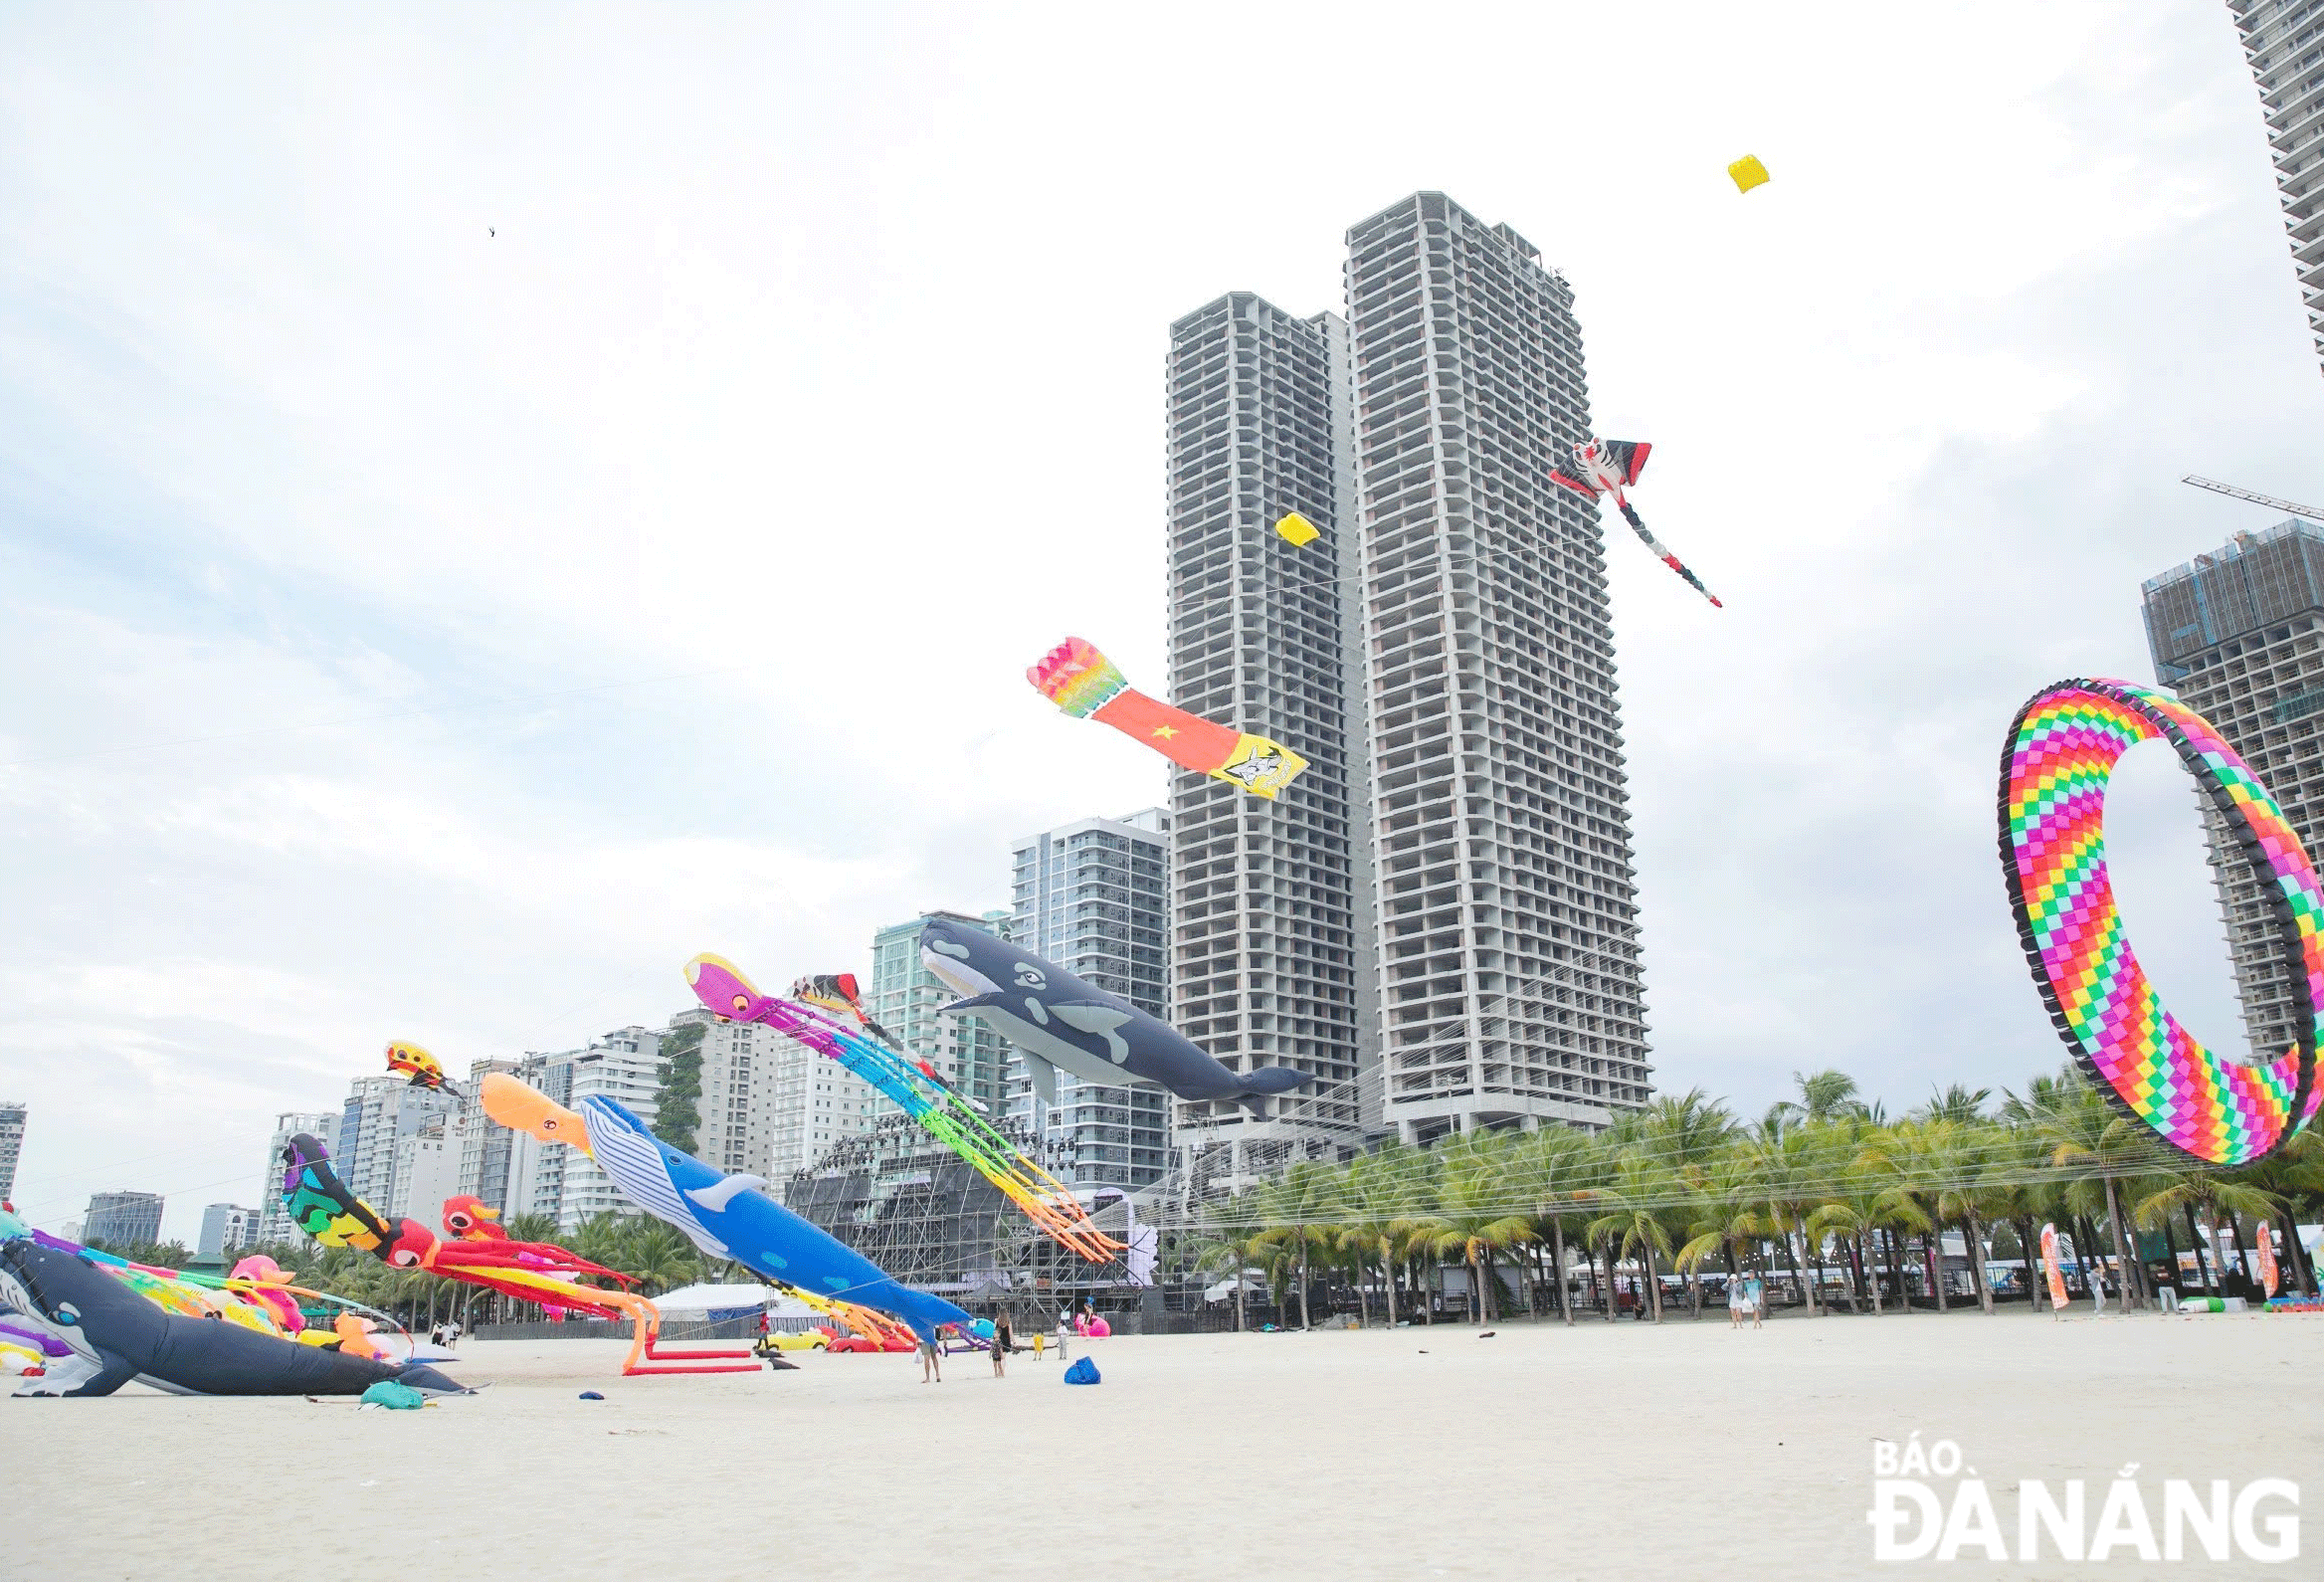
(1604, 1451)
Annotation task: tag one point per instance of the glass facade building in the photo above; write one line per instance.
(1094, 898)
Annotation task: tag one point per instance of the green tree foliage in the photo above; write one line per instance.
(1826, 1194)
(677, 1115)
(155, 1254)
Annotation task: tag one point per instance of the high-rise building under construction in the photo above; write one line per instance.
(1269, 963)
(1438, 919)
(2239, 633)
(2285, 42)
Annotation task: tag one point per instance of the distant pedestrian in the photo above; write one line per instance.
(931, 1360)
(1738, 1300)
(1001, 1344)
(1755, 1290)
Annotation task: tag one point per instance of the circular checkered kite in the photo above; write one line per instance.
(2060, 755)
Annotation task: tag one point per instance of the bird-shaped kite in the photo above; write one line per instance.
(1607, 467)
(1084, 683)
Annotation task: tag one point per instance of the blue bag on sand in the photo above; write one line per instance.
(395, 1397)
(1081, 1372)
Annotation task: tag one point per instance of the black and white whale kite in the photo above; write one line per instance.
(1059, 1023)
(116, 1335)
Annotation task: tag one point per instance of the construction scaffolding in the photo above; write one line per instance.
(910, 1203)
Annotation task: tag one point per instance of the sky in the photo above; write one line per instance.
(494, 500)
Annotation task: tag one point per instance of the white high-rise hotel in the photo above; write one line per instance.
(1446, 897)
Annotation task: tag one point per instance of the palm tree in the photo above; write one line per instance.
(1956, 1159)
(1234, 1248)
(1955, 1103)
(1824, 1095)
(1629, 1221)
(1724, 1218)
(1376, 1197)
(2082, 1129)
(1562, 1165)
(659, 1254)
(1473, 1218)
(1790, 1163)
(1298, 1208)
(2186, 1191)
(2292, 1173)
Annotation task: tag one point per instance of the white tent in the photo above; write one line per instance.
(694, 1299)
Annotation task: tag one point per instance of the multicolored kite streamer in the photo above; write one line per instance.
(916, 1091)
(2060, 755)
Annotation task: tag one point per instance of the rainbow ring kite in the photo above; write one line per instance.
(2054, 771)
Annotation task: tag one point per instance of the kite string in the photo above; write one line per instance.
(368, 720)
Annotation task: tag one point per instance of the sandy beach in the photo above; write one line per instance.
(1415, 1453)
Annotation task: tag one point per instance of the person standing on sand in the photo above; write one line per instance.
(1002, 1341)
(931, 1360)
(1755, 1293)
(1738, 1298)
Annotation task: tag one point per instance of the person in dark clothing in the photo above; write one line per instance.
(1003, 1342)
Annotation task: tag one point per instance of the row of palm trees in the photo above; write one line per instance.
(1826, 1194)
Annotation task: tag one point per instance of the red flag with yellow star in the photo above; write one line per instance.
(1084, 683)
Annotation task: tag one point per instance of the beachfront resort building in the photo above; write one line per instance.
(625, 1066)
(275, 1227)
(227, 1228)
(1094, 898)
(486, 1149)
(426, 1169)
(379, 1113)
(2283, 40)
(770, 1104)
(12, 1117)
(2238, 633)
(1444, 902)
(905, 997)
(123, 1219)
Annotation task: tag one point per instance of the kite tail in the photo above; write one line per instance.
(1076, 677)
(1664, 554)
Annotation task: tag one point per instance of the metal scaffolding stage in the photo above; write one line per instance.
(920, 1212)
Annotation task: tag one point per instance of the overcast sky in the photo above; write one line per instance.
(408, 631)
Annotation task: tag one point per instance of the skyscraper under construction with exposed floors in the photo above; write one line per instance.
(1438, 919)
(1510, 979)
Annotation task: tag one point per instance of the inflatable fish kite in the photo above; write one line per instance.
(100, 1321)
(1056, 1021)
(1086, 684)
(942, 1111)
(424, 1069)
(1607, 466)
(727, 1216)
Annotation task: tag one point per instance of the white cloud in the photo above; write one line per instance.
(822, 354)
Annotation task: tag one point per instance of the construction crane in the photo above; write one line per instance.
(2289, 507)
